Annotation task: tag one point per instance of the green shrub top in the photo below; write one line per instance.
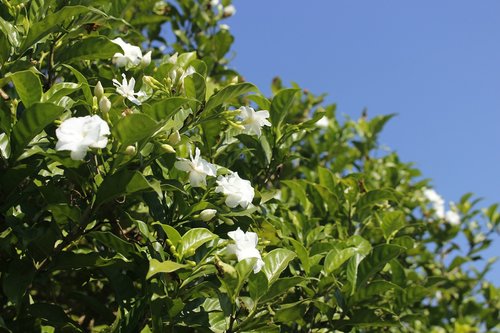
(146, 187)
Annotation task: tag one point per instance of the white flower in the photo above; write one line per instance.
(436, 200)
(245, 247)
(238, 191)
(81, 133)
(452, 217)
(253, 121)
(207, 214)
(198, 169)
(229, 11)
(131, 56)
(214, 2)
(126, 89)
(224, 27)
(323, 122)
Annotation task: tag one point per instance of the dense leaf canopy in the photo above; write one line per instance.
(146, 187)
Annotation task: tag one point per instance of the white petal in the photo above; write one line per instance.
(183, 165)
(197, 179)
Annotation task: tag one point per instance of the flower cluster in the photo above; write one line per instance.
(438, 205)
(79, 134)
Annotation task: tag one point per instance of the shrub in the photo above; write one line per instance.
(145, 186)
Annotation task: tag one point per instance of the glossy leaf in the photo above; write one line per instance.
(133, 128)
(280, 105)
(165, 108)
(28, 86)
(90, 48)
(227, 94)
(193, 239)
(122, 183)
(376, 260)
(276, 262)
(391, 223)
(31, 123)
(167, 266)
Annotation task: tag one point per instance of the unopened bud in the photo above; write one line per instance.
(152, 82)
(98, 90)
(146, 59)
(207, 214)
(238, 126)
(104, 104)
(174, 138)
(228, 11)
(130, 150)
(167, 148)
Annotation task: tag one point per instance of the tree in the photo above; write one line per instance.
(145, 186)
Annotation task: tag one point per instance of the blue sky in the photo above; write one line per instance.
(434, 63)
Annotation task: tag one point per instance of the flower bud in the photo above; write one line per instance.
(174, 138)
(207, 214)
(152, 82)
(228, 11)
(98, 90)
(166, 148)
(104, 104)
(130, 150)
(146, 59)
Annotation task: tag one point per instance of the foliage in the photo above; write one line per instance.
(123, 241)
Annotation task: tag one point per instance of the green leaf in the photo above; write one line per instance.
(54, 22)
(257, 285)
(168, 266)
(391, 223)
(59, 90)
(281, 286)
(122, 183)
(70, 260)
(374, 197)
(293, 312)
(28, 86)
(280, 105)
(194, 87)
(326, 178)
(374, 288)
(16, 280)
(335, 258)
(165, 108)
(114, 243)
(193, 239)
(133, 128)
(352, 271)
(84, 84)
(227, 94)
(302, 254)
(275, 262)
(51, 313)
(376, 260)
(89, 48)
(31, 123)
(172, 234)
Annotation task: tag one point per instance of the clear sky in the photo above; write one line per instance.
(434, 63)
